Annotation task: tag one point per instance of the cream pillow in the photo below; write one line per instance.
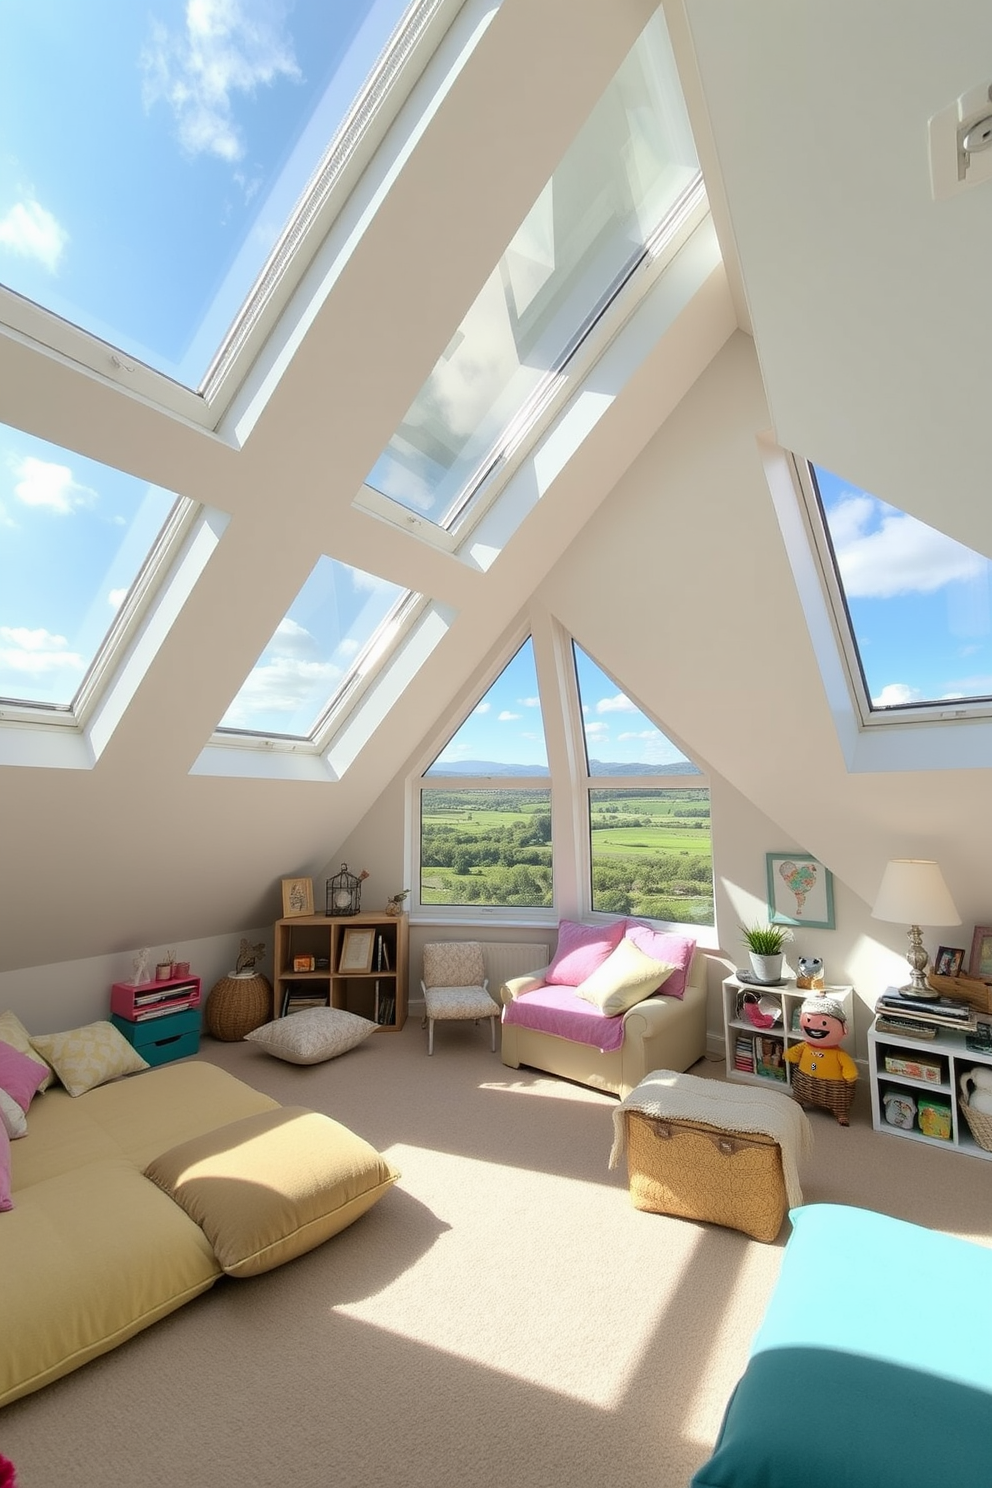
(312, 1035)
(12, 1118)
(626, 976)
(272, 1186)
(13, 1032)
(86, 1057)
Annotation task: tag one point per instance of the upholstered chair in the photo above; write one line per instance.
(455, 986)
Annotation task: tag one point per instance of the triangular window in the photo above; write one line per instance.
(504, 733)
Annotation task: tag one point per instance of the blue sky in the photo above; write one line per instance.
(153, 152)
(506, 726)
(920, 602)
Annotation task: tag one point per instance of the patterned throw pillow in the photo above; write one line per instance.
(581, 950)
(312, 1035)
(454, 963)
(85, 1057)
(12, 1031)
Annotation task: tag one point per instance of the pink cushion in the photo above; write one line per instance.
(19, 1075)
(561, 1011)
(665, 945)
(582, 949)
(6, 1202)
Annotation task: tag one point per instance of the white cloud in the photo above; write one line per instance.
(618, 704)
(281, 686)
(641, 734)
(116, 598)
(43, 483)
(31, 231)
(229, 47)
(36, 653)
(597, 730)
(293, 641)
(482, 708)
(897, 695)
(507, 717)
(530, 702)
(901, 556)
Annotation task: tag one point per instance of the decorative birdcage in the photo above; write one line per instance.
(344, 893)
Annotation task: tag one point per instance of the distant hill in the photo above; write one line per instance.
(596, 767)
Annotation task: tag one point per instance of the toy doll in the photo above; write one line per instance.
(825, 1073)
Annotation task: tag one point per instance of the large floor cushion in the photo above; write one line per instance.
(87, 1259)
(872, 1366)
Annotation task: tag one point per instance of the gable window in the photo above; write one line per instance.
(912, 606)
(650, 849)
(485, 833)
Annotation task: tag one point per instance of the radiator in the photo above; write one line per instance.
(506, 959)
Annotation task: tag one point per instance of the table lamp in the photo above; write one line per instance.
(913, 892)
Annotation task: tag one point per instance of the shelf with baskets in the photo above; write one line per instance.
(356, 962)
(756, 1053)
(919, 1090)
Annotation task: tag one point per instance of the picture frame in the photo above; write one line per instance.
(800, 891)
(980, 964)
(356, 950)
(297, 897)
(948, 961)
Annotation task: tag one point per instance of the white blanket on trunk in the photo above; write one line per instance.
(669, 1096)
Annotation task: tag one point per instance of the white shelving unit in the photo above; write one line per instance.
(780, 1035)
(950, 1051)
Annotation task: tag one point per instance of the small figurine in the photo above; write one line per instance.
(826, 1073)
(900, 1110)
(139, 968)
(809, 977)
(394, 904)
(248, 955)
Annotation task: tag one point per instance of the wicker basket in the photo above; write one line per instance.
(980, 1124)
(836, 1096)
(237, 1005)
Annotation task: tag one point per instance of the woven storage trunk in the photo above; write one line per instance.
(696, 1171)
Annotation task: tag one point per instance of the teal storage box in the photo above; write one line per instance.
(157, 1040)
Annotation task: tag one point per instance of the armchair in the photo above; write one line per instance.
(547, 1025)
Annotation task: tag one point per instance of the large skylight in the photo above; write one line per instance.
(74, 536)
(619, 181)
(504, 733)
(917, 603)
(340, 626)
(153, 155)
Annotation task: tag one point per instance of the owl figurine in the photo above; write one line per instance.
(809, 973)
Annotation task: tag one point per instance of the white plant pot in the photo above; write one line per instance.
(766, 968)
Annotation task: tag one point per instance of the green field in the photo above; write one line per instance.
(651, 852)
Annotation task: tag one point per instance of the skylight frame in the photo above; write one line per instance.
(386, 90)
(361, 676)
(869, 716)
(600, 329)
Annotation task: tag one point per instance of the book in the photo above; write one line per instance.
(914, 1028)
(938, 1019)
(163, 1011)
(947, 1007)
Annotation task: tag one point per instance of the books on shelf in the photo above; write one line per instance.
(164, 1009)
(386, 1008)
(295, 999)
(943, 1012)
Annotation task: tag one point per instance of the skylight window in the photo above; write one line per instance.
(619, 182)
(339, 629)
(74, 537)
(914, 605)
(153, 156)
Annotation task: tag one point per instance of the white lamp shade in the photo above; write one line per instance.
(913, 892)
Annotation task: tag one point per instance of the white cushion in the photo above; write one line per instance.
(459, 1002)
(312, 1035)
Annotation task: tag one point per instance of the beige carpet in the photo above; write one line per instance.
(503, 1317)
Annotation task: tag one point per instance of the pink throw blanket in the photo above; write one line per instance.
(559, 1011)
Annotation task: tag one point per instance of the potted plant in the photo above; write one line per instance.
(764, 943)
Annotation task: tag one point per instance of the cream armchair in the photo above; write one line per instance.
(659, 1033)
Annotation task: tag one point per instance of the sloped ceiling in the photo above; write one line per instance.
(137, 850)
(868, 298)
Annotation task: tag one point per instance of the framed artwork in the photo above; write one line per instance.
(800, 891)
(297, 897)
(948, 961)
(980, 965)
(356, 950)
